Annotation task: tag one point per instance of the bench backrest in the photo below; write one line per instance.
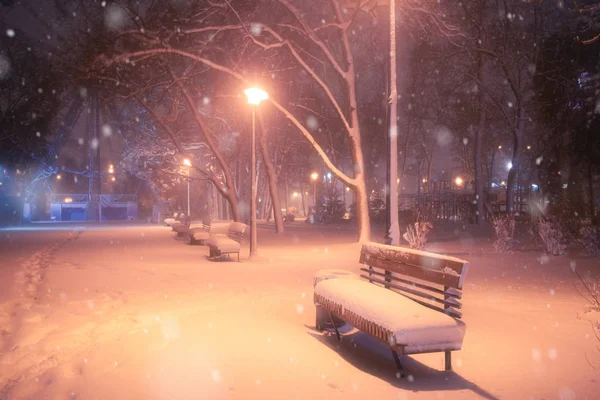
(236, 231)
(430, 279)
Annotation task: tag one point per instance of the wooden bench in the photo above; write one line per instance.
(409, 300)
(199, 233)
(171, 220)
(220, 244)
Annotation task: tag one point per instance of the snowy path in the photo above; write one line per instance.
(132, 313)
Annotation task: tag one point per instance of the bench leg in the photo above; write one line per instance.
(448, 360)
(398, 363)
(337, 333)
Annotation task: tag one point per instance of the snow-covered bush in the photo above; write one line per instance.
(589, 237)
(551, 234)
(504, 226)
(416, 234)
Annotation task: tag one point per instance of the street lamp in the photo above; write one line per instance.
(314, 177)
(188, 164)
(255, 96)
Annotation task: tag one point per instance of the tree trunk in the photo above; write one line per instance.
(271, 177)
(479, 138)
(394, 232)
(229, 188)
(516, 157)
(591, 190)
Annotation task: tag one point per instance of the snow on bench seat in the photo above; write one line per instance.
(415, 328)
(223, 243)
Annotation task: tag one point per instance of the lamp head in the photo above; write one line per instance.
(255, 95)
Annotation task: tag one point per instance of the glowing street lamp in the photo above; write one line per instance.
(255, 96)
(58, 177)
(188, 164)
(314, 176)
(459, 181)
(111, 169)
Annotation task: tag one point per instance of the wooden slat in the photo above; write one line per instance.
(424, 274)
(450, 292)
(414, 292)
(417, 258)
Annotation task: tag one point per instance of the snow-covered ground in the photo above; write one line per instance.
(130, 312)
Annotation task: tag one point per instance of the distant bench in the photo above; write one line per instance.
(409, 300)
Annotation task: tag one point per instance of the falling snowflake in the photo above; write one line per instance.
(216, 375)
(10, 33)
(312, 122)
(536, 355)
(106, 130)
(115, 17)
(94, 143)
(256, 29)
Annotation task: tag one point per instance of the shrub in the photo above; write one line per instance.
(551, 234)
(504, 227)
(589, 237)
(330, 209)
(416, 234)
(377, 211)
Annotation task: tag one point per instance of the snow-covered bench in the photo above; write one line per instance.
(171, 220)
(220, 244)
(181, 224)
(409, 300)
(199, 233)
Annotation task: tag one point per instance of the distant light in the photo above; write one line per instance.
(509, 166)
(398, 180)
(314, 176)
(295, 194)
(68, 199)
(329, 175)
(347, 189)
(58, 177)
(112, 178)
(528, 147)
(0, 183)
(458, 181)
(255, 95)
(499, 147)
(424, 180)
(503, 183)
(187, 162)
(534, 186)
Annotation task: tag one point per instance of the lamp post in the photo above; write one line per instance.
(187, 163)
(255, 96)
(314, 177)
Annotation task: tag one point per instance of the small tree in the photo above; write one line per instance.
(416, 234)
(551, 234)
(504, 227)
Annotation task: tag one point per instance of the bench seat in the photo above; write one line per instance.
(223, 243)
(414, 328)
(199, 233)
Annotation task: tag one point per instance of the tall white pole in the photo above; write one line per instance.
(188, 185)
(394, 233)
(253, 241)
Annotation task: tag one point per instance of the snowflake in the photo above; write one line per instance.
(10, 33)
